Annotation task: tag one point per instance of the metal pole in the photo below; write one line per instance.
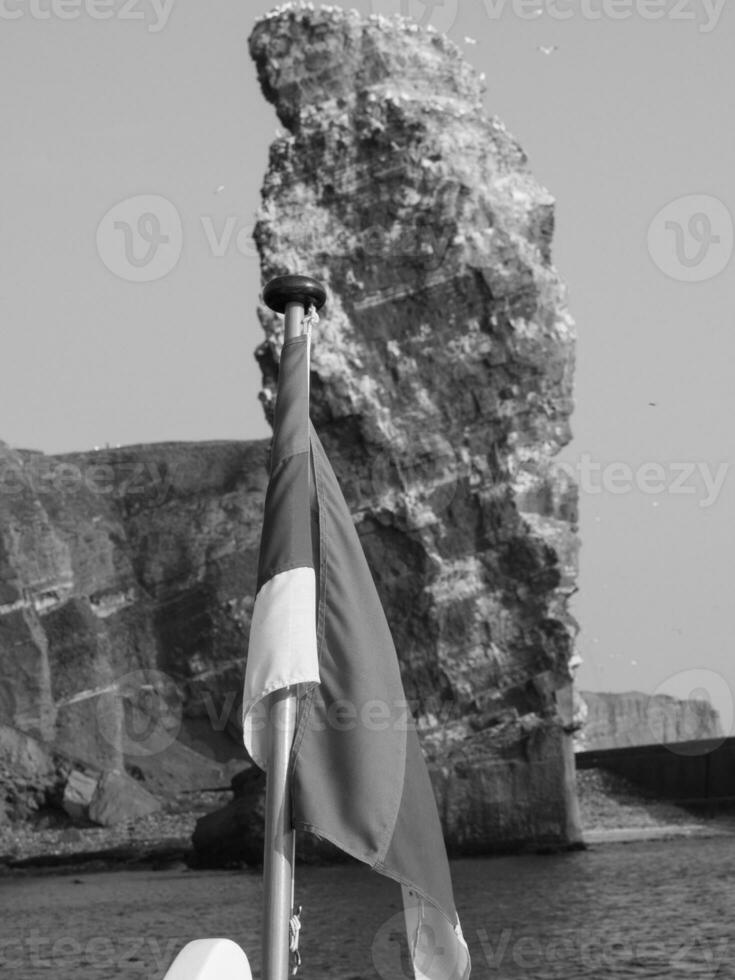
(279, 839)
(278, 859)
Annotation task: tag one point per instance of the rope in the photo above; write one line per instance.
(294, 928)
(311, 318)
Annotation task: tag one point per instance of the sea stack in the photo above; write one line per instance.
(442, 389)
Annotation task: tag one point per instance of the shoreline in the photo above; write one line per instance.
(630, 835)
(612, 811)
(180, 856)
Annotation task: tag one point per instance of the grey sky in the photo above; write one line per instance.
(628, 115)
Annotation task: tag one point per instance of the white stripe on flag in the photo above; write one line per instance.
(438, 951)
(282, 649)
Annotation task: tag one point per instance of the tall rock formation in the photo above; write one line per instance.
(441, 387)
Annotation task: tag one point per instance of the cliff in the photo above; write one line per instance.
(126, 580)
(441, 387)
(613, 721)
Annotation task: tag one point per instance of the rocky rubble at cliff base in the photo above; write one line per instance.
(608, 805)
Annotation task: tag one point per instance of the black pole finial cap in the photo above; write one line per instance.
(282, 290)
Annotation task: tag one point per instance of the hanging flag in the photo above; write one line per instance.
(359, 778)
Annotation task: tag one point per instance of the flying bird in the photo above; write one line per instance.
(470, 40)
(220, 189)
(547, 48)
(653, 404)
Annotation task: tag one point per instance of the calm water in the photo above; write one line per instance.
(662, 909)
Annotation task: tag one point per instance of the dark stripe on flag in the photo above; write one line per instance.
(291, 423)
(286, 538)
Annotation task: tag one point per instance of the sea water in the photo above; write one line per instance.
(649, 909)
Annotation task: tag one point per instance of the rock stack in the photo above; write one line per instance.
(442, 389)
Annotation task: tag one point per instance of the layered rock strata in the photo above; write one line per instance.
(126, 580)
(442, 389)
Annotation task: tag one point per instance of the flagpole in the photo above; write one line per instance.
(291, 296)
(279, 838)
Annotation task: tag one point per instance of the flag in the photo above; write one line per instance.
(359, 778)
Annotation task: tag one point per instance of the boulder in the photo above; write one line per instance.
(78, 794)
(29, 775)
(234, 834)
(119, 797)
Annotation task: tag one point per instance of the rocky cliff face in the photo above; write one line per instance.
(613, 721)
(441, 387)
(126, 580)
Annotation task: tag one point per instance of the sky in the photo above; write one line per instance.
(114, 109)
